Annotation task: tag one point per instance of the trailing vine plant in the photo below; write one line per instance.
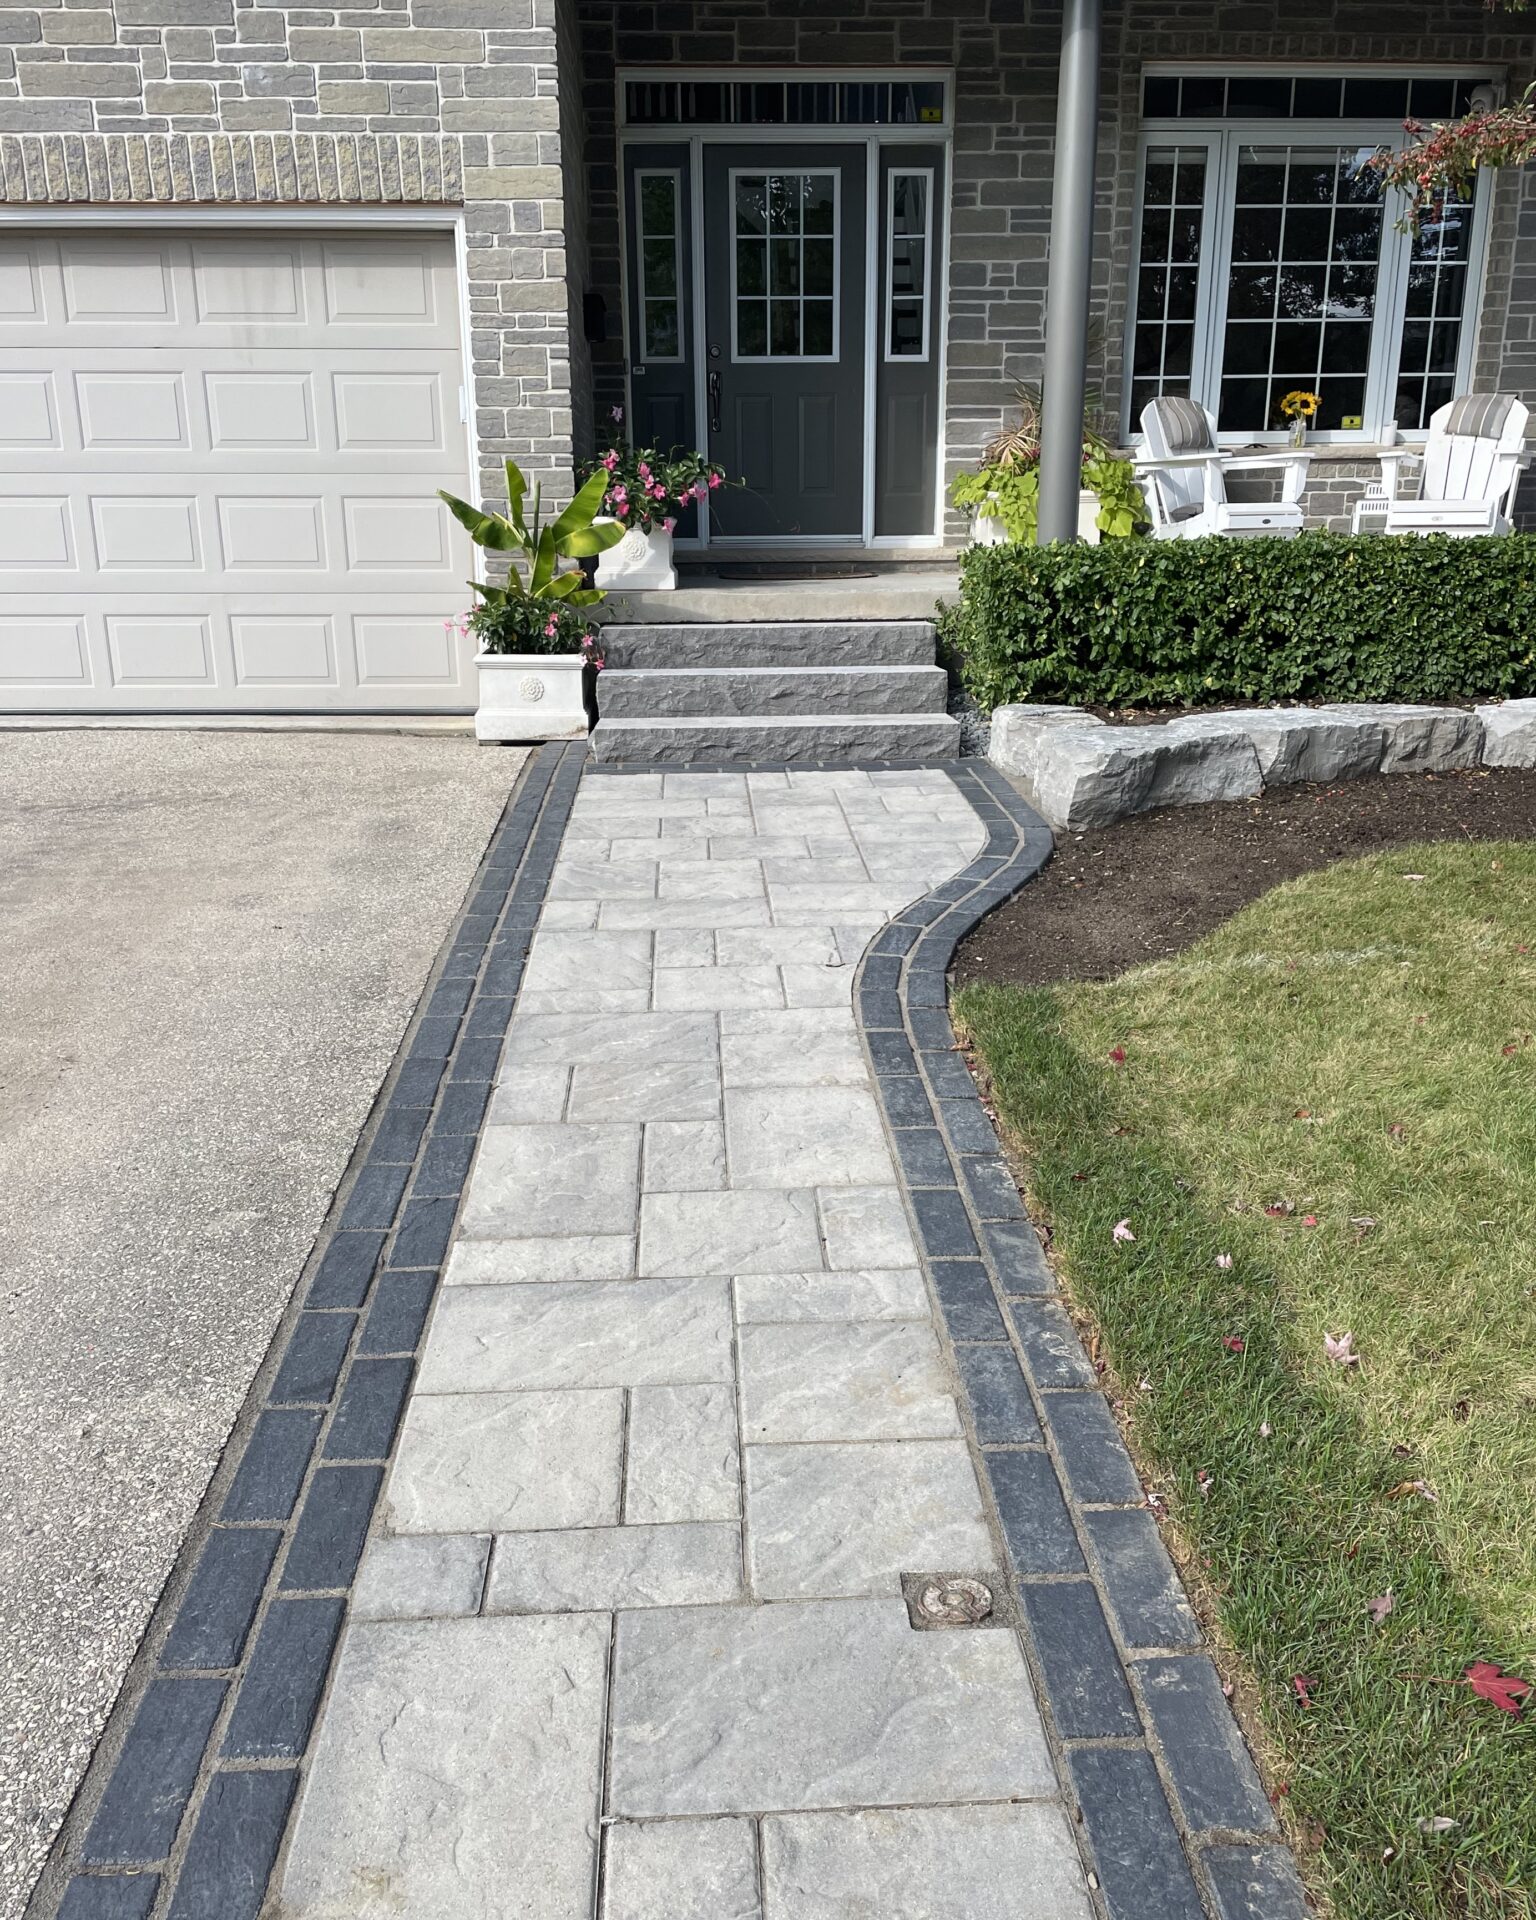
(1441, 160)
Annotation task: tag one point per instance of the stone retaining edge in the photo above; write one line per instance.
(1078, 772)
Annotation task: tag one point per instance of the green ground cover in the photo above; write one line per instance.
(1337, 1089)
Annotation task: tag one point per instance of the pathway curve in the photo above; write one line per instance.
(681, 1424)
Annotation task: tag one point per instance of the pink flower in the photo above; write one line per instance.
(618, 495)
(669, 524)
(551, 629)
(716, 480)
(610, 461)
(658, 492)
(620, 509)
(645, 472)
(617, 414)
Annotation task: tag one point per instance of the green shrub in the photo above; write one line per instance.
(1208, 622)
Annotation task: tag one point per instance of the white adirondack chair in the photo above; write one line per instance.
(1183, 475)
(1471, 468)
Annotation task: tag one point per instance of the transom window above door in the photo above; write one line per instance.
(1270, 258)
(784, 266)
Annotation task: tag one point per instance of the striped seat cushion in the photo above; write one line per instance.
(1479, 416)
(1184, 425)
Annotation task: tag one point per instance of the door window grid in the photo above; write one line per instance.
(784, 265)
(1168, 278)
(658, 196)
(909, 237)
(1301, 291)
(1435, 314)
(1386, 326)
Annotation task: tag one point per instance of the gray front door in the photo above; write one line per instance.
(784, 273)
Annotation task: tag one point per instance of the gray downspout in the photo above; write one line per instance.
(1071, 267)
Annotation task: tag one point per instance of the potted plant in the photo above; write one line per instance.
(534, 643)
(645, 493)
(1004, 492)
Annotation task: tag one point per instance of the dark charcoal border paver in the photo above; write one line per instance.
(183, 1810)
(1176, 1821)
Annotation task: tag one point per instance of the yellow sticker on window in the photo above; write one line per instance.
(930, 113)
(1352, 422)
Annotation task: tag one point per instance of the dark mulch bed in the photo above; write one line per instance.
(1153, 884)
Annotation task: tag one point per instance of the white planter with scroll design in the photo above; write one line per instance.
(639, 560)
(530, 696)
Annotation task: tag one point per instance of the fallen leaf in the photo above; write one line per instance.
(1380, 1607)
(1117, 1054)
(1420, 1487)
(1341, 1350)
(1506, 1691)
(1143, 1386)
(1461, 1411)
(1415, 876)
(1234, 1343)
(1205, 1482)
(1396, 1130)
(1278, 1209)
(1303, 1683)
(1435, 1823)
(1079, 1176)
(1224, 1261)
(1122, 1231)
(1309, 1219)
(1302, 1113)
(1265, 1430)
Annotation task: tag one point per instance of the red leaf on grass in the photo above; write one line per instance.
(1304, 1683)
(1117, 1054)
(1234, 1344)
(1506, 1691)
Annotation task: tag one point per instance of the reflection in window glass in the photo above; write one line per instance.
(1306, 247)
(785, 266)
(846, 103)
(1437, 299)
(660, 290)
(1167, 288)
(909, 239)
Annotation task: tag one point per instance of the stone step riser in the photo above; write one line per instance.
(766, 692)
(832, 737)
(854, 643)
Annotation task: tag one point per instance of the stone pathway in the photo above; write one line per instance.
(681, 1424)
(677, 1341)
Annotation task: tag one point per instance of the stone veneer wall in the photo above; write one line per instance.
(403, 102)
(1005, 55)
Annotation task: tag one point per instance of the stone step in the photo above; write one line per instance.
(644, 693)
(894, 594)
(787, 643)
(778, 737)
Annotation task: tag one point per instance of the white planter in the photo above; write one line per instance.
(640, 560)
(990, 531)
(530, 696)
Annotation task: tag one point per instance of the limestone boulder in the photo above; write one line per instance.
(1509, 733)
(1419, 739)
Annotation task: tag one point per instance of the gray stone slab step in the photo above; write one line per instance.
(644, 693)
(830, 736)
(897, 594)
(788, 643)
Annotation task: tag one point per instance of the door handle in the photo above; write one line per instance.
(714, 403)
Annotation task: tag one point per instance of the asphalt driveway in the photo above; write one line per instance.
(210, 944)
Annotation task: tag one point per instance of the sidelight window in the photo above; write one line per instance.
(909, 244)
(658, 198)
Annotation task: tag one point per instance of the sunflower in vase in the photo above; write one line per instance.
(1300, 408)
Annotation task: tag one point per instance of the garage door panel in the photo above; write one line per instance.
(222, 493)
(29, 411)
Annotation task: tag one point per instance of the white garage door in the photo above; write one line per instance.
(218, 458)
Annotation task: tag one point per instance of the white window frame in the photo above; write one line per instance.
(834, 358)
(679, 298)
(1223, 140)
(888, 315)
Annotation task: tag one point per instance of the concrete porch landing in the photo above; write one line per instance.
(896, 593)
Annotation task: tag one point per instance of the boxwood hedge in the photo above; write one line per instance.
(1203, 622)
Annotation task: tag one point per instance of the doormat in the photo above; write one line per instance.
(782, 570)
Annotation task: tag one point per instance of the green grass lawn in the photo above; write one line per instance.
(1338, 1090)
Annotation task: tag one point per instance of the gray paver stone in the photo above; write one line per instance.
(814, 1704)
(681, 1870)
(986, 1863)
(483, 1462)
(421, 1576)
(844, 1380)
(600, 1568)
(409, 1804)
(681, 1462)
(547, 1179)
